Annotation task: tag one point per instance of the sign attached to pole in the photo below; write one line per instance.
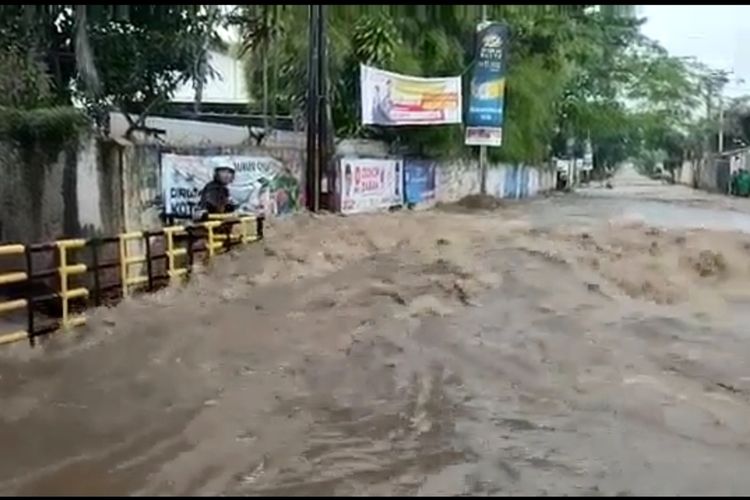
(391, 99)
(484, 119)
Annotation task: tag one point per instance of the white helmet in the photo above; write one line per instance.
(224, 167)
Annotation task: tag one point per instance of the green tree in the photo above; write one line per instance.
(261, 29)
(202, 36)
(576, 72)
(737, 122)
(130, 57)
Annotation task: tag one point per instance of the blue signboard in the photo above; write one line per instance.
(484, 119)
(419, 181)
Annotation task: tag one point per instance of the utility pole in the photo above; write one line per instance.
(323, 115)
(721, 124)
(311, 106)
(483, 149)
(709, 99)
(723, 80)
(317, 115)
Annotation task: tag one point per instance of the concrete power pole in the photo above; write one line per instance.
(312, 108)
(709, 112)
(707, 137)
(318, 137)
(721, 124)
(483, 149)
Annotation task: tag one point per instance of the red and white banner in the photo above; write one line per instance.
(367, 185)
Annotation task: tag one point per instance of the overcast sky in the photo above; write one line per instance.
(718, 35)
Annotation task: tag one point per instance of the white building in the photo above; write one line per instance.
(228, 87)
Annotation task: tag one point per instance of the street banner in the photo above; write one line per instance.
(261, 185)
(390, 99)
(419, 182)
(484, 119)
(367, 185)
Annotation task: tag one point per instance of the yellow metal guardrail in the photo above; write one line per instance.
(173, 253)
(213, 240)
(221, 233)
(66, 270)
(127, 260)
(243, 236)
(13, 305)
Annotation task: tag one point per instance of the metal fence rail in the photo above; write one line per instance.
(68, 300)
(13, 305)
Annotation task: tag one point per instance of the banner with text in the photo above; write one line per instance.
(391, 99)
(367, 185)
(484, 119)
(419, 182)
(261, 184)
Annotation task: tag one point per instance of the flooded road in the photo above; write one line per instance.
(593, 343)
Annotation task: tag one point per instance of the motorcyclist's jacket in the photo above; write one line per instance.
(215, 199)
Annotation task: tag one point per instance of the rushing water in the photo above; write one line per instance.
(561, 346)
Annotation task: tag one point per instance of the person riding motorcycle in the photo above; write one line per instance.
(215, 197)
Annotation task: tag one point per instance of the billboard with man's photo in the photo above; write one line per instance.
(391, 99)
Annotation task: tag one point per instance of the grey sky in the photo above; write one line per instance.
(717, 35)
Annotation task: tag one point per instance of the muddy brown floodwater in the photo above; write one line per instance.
(594, 343)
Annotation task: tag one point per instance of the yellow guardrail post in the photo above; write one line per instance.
(173, 253)
(245, 223)
(65, 270)
(12, 305)
(127, 260)
(211, 240)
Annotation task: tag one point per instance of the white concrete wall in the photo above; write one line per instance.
(687, 173)
(186, 133)
(362, 147)
(456, 180)
(87, 184)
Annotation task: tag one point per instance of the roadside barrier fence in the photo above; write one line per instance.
(84, 276)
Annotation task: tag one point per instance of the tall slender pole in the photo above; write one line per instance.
(322, 97)
(721, 124)
(483, 149)
(707, 134)
(312, 109)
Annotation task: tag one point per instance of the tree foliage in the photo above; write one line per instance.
(130, 57)
(737, 122)
(576, 72)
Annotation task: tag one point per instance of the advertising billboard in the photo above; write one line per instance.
(391, 99)
(484, 117)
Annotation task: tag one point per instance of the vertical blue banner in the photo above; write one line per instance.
(419, 181)
(484, 119)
